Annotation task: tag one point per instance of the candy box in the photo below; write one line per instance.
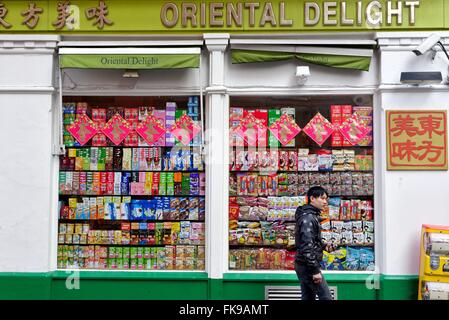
(357, 226)
(337, 226)
(368, 226)
(345, 210)
(366, 210)
(347, 226)
(336, 238)
(325, 162)
(292, 161)
(369, 237)
(312, 163)
(346, 238)
(358, 238)
(302, 159)
(326, 236)
(326, 225)
(283, 160)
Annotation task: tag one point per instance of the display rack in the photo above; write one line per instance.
(131, 206)
(268, 181)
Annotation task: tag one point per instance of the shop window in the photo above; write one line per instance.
(135, 203)
(269, 179)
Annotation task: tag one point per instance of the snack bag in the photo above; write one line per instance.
(366, 259)
(353, 259)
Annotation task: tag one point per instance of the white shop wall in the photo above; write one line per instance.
(411, 198)
(26, 130)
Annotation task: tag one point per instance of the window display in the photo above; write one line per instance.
(279, 148)
(131, 194)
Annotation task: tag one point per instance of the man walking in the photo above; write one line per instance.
(309, 246)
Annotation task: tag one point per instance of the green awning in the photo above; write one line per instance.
(345, 61)
(85, 58)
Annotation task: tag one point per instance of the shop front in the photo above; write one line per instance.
(166, 155)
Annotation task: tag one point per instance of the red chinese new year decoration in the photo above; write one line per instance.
(250, 129)
(354, 129)
(83, 129)
(319, 129)
(116, 129)
(151, 129)
(185, 129)
(285, 129)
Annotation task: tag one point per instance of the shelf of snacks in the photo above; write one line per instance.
(276, 155)
(180, 257)
(131, 194)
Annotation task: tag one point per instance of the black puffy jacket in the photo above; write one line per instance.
(309, 245)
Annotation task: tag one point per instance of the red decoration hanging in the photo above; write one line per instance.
(185, 129)
(250, 129)
(285, 129)
(319, 129)
(116, 129)
(354, 129)
(83, 129)
(150, 129)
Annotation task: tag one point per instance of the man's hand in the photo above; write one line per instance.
(317, 278)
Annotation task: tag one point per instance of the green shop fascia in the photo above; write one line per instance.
(168, 20)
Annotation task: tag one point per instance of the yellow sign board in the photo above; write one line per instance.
(134, 16)
(417, 140)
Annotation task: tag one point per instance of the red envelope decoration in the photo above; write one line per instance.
(151, 129)
(250, 129)
(116, 129)
(185, 129)
(319, 129)
(354, 129)
(285, 129)
(83, 129)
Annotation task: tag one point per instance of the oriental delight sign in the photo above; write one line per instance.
(417, 140)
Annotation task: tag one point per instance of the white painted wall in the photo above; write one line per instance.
(26, 138)
(411, 198)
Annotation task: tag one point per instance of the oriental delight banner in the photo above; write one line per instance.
(417, 140)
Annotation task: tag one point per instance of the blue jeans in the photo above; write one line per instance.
(309, 289)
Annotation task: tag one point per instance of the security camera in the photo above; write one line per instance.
(427, 45)
(302, 74)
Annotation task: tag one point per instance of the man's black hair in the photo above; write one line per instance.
(316, 192)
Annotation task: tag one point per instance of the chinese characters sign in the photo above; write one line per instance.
(417, 140)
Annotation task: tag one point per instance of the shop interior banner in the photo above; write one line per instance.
(416, 140)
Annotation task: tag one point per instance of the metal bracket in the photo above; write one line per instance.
(58, 150)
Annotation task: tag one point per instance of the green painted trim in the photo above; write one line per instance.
(292, 277)
(335, 61)
(192, 285)
(215, 289)
(25, 286)
(398, 287)
(129, 61)
(130, 275)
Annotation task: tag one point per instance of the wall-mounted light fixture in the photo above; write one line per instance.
(130, 74)
(421, 77)
(302, 74)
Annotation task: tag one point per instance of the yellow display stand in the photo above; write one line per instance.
(434, 263)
